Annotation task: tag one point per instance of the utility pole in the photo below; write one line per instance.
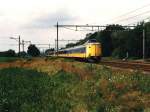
(55, 47)
(23, 45)
(19, 44)
(143, 42)
(57, 40)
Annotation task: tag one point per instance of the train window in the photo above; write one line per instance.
(62, 52)
(78, 50)
(92, 41)
(83, 50)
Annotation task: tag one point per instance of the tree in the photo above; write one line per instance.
(22, 54)
(147, 41)
(105, 38)
(33, 50)
(70, 45)
(9, 53)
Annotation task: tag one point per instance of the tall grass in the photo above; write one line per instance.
(23, 90)
(28, 90)
(8, 59)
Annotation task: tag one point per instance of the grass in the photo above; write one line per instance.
(28, 90)
(106, 90)
(8, 59)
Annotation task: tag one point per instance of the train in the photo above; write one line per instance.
(91, 50)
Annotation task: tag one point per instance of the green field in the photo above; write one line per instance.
(8, 59)
(29, 90)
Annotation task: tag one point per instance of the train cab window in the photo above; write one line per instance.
(92, 41)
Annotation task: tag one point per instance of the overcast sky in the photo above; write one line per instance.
(34, 20)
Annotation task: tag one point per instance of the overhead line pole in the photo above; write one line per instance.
(19, 44)
(23, 45)
(57, 39)
(88, 26)
(143, 42)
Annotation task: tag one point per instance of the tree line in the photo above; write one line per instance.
(32, 51)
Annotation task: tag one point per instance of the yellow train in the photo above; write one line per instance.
(90, 50)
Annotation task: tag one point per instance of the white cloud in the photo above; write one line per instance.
(50, 19)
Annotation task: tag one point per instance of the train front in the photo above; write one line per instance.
(93, 50)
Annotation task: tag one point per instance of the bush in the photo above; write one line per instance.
(119, 53)
(9, 53)
(33, 51)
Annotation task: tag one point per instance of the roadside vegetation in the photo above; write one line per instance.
(62, 85)
(8, 59)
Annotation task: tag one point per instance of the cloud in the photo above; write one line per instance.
(48, 20)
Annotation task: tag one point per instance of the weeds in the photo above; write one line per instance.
(8, 59)
(72, 88)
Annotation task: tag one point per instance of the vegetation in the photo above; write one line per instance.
(22, 54)
(8, 59)
(74, 86)
(9, 53)
(33, 51)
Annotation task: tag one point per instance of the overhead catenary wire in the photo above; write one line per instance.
(69, 28)
(98, 27)
(132, 17)
(137, 22)
(77, 29)
(130, 12)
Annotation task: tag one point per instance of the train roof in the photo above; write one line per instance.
(76, 47)
(91, 41)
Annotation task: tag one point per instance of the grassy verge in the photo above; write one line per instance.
(8, 59)
(23, 90)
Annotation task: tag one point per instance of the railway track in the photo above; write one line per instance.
(134, 65)
(129, 65)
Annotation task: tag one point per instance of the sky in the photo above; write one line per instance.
(34, 20)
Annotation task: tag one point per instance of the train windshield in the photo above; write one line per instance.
(92, 41)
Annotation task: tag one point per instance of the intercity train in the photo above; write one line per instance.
(90, 50)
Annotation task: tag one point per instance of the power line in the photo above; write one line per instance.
(69, 28)
(136, 22)
(135, 10)
(133, 16)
